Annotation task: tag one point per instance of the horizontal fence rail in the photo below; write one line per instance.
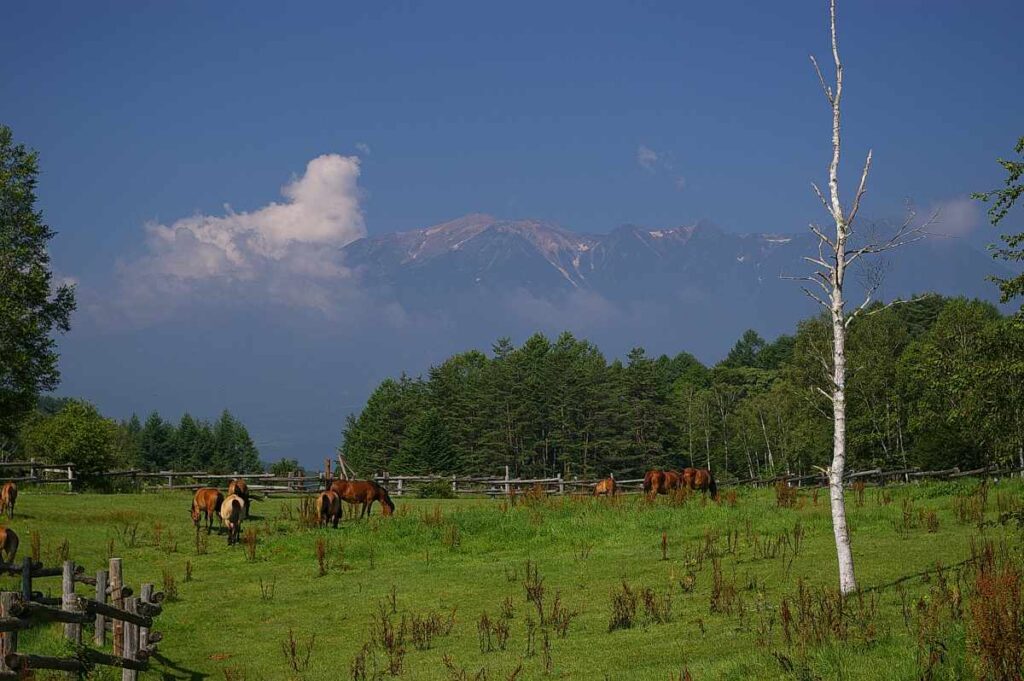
(129, 619)
(270, 484)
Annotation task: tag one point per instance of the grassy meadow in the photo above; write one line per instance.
(717, 591)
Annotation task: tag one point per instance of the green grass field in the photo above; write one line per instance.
(470, 555)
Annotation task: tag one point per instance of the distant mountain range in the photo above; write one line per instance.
(694, 286)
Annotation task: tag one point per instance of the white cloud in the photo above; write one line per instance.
(680, 183)
(647, 157)
(956, 217)
(287, 251)
(363, 148)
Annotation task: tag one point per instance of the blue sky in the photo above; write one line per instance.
(588, 114)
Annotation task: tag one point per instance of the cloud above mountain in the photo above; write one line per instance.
(287, 252)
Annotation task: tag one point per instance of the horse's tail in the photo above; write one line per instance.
(712, 487)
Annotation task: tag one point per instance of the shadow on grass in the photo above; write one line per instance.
(172, 670)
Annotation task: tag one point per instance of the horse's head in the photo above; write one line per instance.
(194, 510)
(385, 500)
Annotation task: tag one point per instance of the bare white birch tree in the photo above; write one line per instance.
(835, 255)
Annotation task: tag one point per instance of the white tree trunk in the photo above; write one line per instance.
(844, 553)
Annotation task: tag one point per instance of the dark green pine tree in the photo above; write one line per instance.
(156, 443)
(427, 448)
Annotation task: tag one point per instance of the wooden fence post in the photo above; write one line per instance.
(117, 600)
(561, 484)
(508, 488)
(9, 640)
(99, 636)
(145, 597)
(130, 646)
(455, 485)
(26, 578)
(69, 603)
(399, 491)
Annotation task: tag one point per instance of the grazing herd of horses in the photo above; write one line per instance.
(658, 481)
(209, 503)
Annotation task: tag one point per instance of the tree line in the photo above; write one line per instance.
(63, 430)
(933, 382)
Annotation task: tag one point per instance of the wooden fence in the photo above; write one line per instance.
(400, 485)
(129, 618)
(269, 484)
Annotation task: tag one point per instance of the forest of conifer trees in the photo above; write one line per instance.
(934, 383)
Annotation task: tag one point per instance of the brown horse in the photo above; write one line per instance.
(8, 496)
(660, 482)
(704, 481)
(206, 500)
(232, 512)
(686, 477)
(364, 492)
(239, 487)
(328, 507)
(606, 487)
(8, 544)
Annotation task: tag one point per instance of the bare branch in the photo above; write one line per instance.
(821, 196)
(821, 79)
(814, 297)
(816, 261)
(860, 190)
(829, 396)
(817, 278)
(907, 233)
(817, 232)
(923, 296)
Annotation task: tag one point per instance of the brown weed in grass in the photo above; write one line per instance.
(457, 673)
(36, 550)
(560, 617)
(358, 668)
(267, 589)
(996, 626)
(724, 594)
(63, 552)
(729, 498)
(249, 539)
(295, 656)
(188, 571)
(389, 638)
(170, 586)
(785, 496)
(657, 609)
(202, 543)
(549, 663)
(158, 532)
(858, 488)
(321, 556)
(624, 602)
(531, 637)
(533, 584)
(508, 609)
(309, 517)
(451, 537)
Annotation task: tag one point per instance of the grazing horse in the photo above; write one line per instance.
(686, 477)
(606, 487)
(704, 481)
(660, 482)
(206, 500)
(8, 496)
(8, 544)
(364, 492)
(232, 512)
(241, 489)
(328, 507)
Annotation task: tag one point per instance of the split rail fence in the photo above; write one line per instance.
(128, 618)
(270, 484)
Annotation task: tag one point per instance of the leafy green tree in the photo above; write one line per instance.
(31, 308)
(1004, 199)
(285, 466)
(76, 434)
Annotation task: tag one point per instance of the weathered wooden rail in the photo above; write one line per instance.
(129, 619)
